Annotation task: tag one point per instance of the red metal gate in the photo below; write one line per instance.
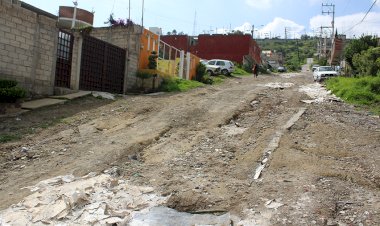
(102, 66)
(64, 58)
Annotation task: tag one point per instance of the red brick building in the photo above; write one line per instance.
(229, 47)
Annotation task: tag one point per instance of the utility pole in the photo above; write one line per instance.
(142, 15)
(195, 23)
(330, 10)
(129, 11)
(286, 33)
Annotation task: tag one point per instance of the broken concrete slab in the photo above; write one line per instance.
(158, 216)
(273, 144)
(108, 96)
(318, 93)
(277, 85)
(72, 96)
(89, 200)
(34, 104)
(273, 204)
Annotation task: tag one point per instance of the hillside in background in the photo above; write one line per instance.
(293, 51)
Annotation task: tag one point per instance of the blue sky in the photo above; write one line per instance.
(269, 17)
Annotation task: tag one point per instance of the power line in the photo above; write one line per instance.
(369, 10)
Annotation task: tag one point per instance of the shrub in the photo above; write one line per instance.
(207, 79)
(7, 83)
(145, 73)
(200, 72)
(374, 86)
(153, 60)
(10, 95)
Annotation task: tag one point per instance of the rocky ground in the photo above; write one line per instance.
(272, 150)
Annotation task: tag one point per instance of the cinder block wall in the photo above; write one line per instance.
(28, 45)
(119, 36)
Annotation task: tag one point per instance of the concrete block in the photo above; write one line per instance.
(73, 95)
(20, 39)
(10, 36)
(30, 105)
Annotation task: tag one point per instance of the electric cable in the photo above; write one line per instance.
(369, 10)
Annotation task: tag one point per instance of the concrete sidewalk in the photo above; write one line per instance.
(34, 104)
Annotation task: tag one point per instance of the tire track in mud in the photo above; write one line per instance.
(273, 144)
(219, 157)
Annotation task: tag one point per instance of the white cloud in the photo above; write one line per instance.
(345, 24)
(245, 28)
(260, 4)
(276, 28)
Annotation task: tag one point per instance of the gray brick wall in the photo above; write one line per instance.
(27, 47)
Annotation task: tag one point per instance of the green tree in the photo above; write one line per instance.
(357, 46)
(368, 62)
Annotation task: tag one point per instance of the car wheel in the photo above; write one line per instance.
(209, 72)
(225, 72)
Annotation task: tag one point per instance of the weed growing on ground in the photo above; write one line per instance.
(9, 137)
(172, 84)
(364, 91)
(240, 72)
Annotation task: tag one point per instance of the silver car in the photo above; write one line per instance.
(226, 66)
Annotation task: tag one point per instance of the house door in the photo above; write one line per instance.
(64, 58)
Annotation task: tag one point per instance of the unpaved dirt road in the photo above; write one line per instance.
(322, 160)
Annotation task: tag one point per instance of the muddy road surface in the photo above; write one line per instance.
(260, 148)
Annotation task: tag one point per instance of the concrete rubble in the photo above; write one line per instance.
(158, 216)
(104, 95)
(98, 200)
(277, 85)
(89, 200)
(318, 93)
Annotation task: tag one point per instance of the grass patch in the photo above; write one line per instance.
(363, 91)
(218, 79)
(240, 72)
(9, 137)
(172, 84)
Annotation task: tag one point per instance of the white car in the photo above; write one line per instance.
(226, 66)
(323, 72)
(315, 66)
(211, 69)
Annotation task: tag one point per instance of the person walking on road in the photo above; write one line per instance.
(255, 70)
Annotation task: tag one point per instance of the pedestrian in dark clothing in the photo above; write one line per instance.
(255, 70)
